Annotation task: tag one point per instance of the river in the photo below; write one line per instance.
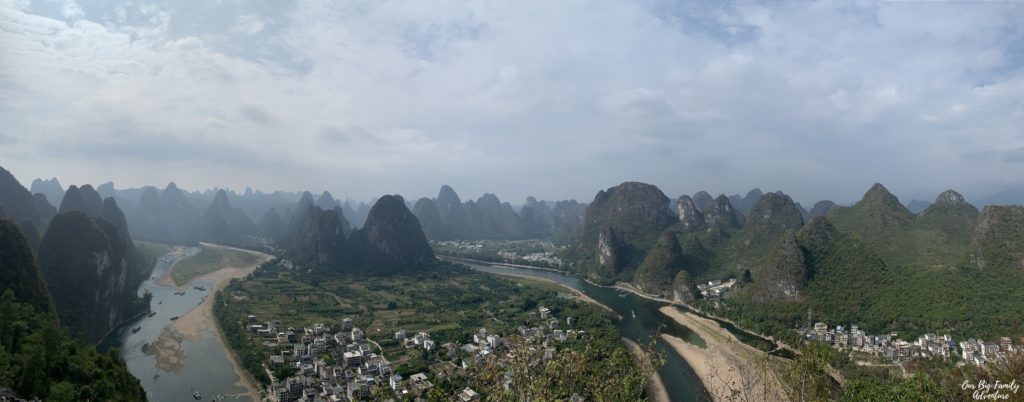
(204, 365)
(640, 321)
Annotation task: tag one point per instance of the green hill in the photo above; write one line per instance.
(619, 228)
(37, 359)
(658, 271)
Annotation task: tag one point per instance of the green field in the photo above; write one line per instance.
(207, 260)
(449, 302)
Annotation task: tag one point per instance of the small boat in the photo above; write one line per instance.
(634, 313)
(151, 314)
(197, 395)
(136, 329)
(161, 302)
(174, 318)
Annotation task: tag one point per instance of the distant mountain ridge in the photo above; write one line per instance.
(447, 217)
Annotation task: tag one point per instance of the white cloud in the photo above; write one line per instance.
(72, 11)
(398, 96)
(249, 25)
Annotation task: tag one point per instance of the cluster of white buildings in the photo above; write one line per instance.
(477, 246)
(888, 346)
(538, 340)
(979, 352)
(421, 339)
(330, 364)
(713, 290)
(461, 245)
(340, 364)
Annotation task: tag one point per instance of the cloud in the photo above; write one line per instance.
(248, 25)
(72, 11)
(556, 99)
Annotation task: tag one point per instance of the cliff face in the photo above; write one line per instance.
(85, 262)
(620, 227)
(691, 218)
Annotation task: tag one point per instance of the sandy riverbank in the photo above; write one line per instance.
(726, 366)
(200, 319)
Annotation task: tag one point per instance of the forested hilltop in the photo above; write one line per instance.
(37, 358)
(950, 268)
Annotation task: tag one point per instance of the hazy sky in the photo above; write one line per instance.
(556, 99)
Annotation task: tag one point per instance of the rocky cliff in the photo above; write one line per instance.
(86, 265)
(620, 227)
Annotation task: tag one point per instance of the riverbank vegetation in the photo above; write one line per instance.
(38, 360)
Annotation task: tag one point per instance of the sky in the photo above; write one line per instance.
(555, 99)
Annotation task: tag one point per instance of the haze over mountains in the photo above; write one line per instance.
(631, 233)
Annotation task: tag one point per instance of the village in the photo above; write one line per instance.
(529, 252)
(928, 346)
(342, 364)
